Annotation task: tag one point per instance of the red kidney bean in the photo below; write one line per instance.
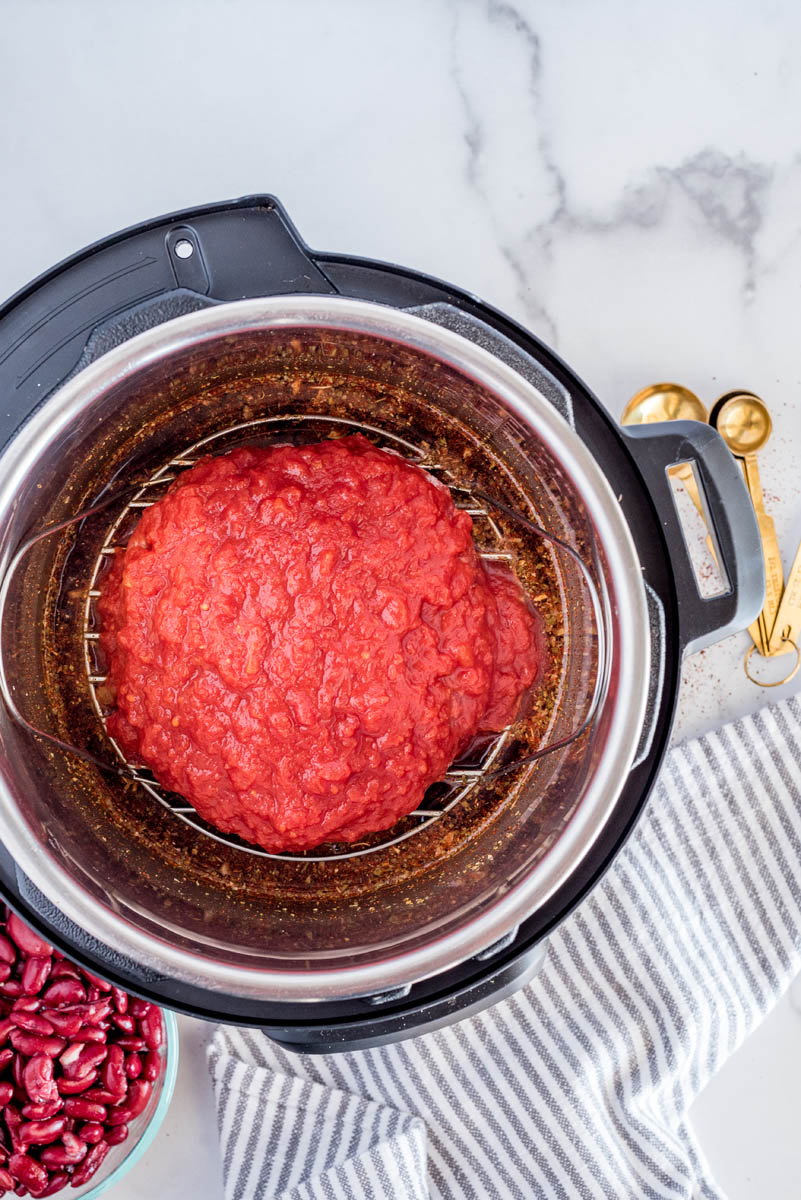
(17, 1067)
(90, 1057)
(139, 1008)
(133, 1065)
(102, 1096)
(29, 1004)
(94, 993)
(41, 1112)
(32, 1043)
(69, 1010)
(120, 999)
(5, 972)
(96, 1011)
(6, 1025)
(152, 1068)
(138, 1096)
(90, 1164)
(116, 1057)
(25, 938)
(70, 1061)
(35, 973)
(91, 1132)
(131, 1043)
(12, 987)
(6, 1092)
(6, 1056)
(84, 1110)
(87, 1014)
(92, 1033)
(113, 1072)
(40, 1132)
(65, 970)
(31, 1021)
(125, 1022)
(64, 1155)
(67, 1024)
(38, 1079)
(64, 991)
(58, 1180)
(6, 1180)
(95, 981)
(28, 1171)
(70, 1056)
(117, 1134)
(74, 1146)
(13, 1121)
(72, 1087)
(8, 951)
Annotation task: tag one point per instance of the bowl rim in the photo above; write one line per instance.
(171, 1057)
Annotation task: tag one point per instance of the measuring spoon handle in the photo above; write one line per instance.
(787, 626)
(774, 573)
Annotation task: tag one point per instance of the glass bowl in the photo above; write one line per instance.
(143, 1129)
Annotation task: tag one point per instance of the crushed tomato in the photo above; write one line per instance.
(301, 639)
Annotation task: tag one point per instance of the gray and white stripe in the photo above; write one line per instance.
(579, 1085)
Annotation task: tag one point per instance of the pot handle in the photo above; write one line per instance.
(730, 517)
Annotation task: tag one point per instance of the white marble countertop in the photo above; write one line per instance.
(624, 178)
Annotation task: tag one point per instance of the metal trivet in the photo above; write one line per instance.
(458, 782)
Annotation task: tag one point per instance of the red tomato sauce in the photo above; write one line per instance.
(303, 638)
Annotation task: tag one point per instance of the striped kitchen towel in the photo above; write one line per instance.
(579, 1085)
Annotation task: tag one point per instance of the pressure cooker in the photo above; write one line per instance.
(216, 327)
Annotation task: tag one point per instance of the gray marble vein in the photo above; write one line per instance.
(727, 192)
(510, 18)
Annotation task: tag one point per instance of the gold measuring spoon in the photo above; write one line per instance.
(663, 402)
(744, 423)
(669, 402)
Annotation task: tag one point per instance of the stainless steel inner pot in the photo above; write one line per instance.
(163, 892)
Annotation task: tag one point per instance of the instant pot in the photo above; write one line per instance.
(217, 327)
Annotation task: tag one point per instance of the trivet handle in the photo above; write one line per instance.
(596, 606)
(730, 516)
(6, 579)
